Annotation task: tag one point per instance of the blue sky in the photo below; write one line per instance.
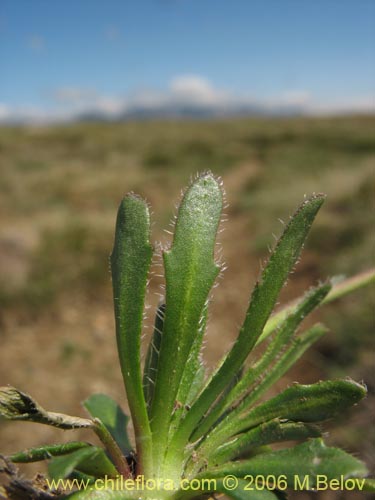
(61, 57)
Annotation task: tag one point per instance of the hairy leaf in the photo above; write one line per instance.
(47, 451)
(193, 364)
(192, 377)
(130, 263)
(267, 433)
(151, 363)
(108, 494)
(285, 361)
(338, 290)
(190, 272)
(308, 459)
(242, 492)
(304, 403)
(261, 305)
(312, 299)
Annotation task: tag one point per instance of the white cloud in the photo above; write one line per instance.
(66, 103)
(191, 84)
(196, 89)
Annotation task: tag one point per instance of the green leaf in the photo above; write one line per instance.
(286, 360)
(369, 485)
(307, 460)
(182, 408)
(243, 493)
(16, 405)
(92, 461)
(287, 329)
(192, 377)
(196, 384)
(273, 373)
(304, 403)
(262, 302)
(101, 495)
(339, 290)
(85, 479)
(275, 349)
(190, 272)
(270, 432)
(222, 403)
(218, 485)
(130, 263)
(47, 451)
(152, 357)
(113, 418)
(112, 448)
(193, 364)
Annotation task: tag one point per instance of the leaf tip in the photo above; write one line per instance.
(14, 404)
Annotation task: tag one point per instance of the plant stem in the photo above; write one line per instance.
(112, 447)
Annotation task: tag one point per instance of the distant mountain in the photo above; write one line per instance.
(183, 110)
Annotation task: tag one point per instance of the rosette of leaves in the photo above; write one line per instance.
(187, 424)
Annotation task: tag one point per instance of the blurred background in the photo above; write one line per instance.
(101, 98)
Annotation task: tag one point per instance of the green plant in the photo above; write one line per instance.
(188, 426)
